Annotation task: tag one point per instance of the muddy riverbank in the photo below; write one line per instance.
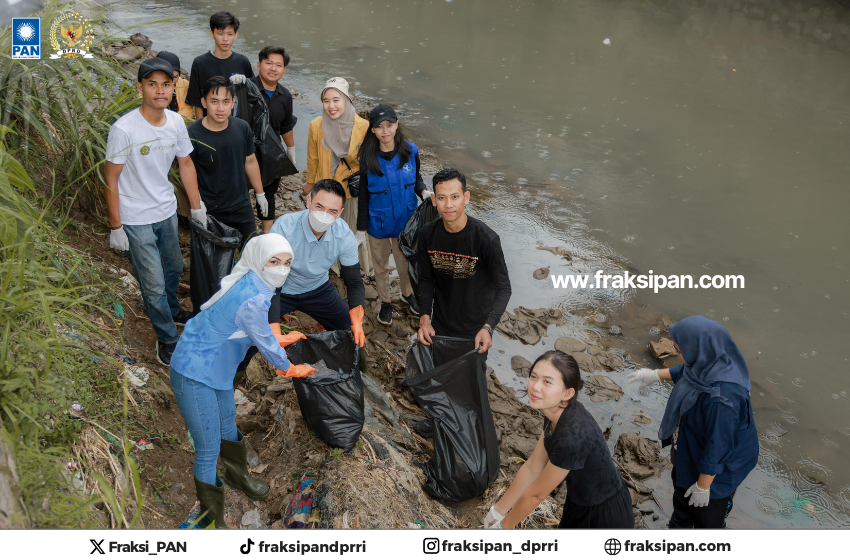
(566, 175)
(387, 466)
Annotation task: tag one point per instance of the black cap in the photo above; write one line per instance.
(380, 114)
(171, 58)
(151, 65)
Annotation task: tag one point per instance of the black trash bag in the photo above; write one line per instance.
(271, 154)
(212, 256)
(332, 405)
(448, 379)
(425, 213)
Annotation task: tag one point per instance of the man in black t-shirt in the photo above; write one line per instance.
(224, 156)
(463, 275)
(221, 61)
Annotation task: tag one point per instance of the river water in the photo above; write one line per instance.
(708, 137)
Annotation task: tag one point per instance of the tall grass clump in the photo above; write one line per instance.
(54, 121)
(50, 301)
(62, 110)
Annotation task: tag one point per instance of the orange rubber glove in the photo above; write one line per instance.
(297, 371)
(357, 325)
(286, 339)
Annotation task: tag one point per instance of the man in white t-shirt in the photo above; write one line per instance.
(142, 206)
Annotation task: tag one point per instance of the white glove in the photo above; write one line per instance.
(699, 496)
(200, 214)
(360, 236)
(262, 203)
(646, 377)
(493, 516)
(496, 525)
(426, 194)
(290, 153)
(236, 79)
(118, 239)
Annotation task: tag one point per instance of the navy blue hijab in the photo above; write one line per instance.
(713, 356)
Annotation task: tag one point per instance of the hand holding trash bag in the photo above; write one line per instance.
(357, 325)
(286, 339)
(483, 341)
(297, 371)
(200, 214)
(426, 331)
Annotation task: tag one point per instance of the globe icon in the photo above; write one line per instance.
(613, 547)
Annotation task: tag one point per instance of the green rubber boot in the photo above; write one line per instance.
(212, 505)
(238, 379)
(234, 455)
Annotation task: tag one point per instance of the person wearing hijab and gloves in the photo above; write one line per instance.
(333, 142)
(204, 364)
(717, 444)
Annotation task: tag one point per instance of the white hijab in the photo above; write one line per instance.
(336, 133)
(255, 255)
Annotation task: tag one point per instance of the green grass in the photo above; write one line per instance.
(62, 110)
(54, 121)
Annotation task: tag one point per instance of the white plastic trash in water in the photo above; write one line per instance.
(606, 41)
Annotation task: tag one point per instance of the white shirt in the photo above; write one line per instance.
(146, 152)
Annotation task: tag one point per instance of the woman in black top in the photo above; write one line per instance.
(572, 446)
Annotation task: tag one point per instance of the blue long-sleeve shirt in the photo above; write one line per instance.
(215, 341)
(717, 439)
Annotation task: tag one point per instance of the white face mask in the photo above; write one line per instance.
(276, 275)
(320, 221)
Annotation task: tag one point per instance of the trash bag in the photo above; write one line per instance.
(425, 213)
(332, 406)
(271, 154)
(211, 258)
(449, 382)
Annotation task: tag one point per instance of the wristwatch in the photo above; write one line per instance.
(488, 328)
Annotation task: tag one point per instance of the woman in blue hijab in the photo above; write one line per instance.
(717, 445)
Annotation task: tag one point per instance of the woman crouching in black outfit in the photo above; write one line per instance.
(572, 446)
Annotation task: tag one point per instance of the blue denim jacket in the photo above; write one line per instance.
(215, 341)
(717, 439)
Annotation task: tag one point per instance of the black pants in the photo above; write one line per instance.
(685, 516)
(323, 304)
(614, 513)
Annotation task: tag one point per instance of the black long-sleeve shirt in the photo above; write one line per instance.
(463, 276)
(363, 198)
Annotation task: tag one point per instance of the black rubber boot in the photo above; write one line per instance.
(238, 379)
(212, 505)
(234, 455)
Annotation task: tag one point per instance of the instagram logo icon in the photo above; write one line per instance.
(431, 545)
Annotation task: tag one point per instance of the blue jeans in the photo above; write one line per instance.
(157, 263)
(210, 416)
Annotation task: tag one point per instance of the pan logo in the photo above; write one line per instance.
(26, 38)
